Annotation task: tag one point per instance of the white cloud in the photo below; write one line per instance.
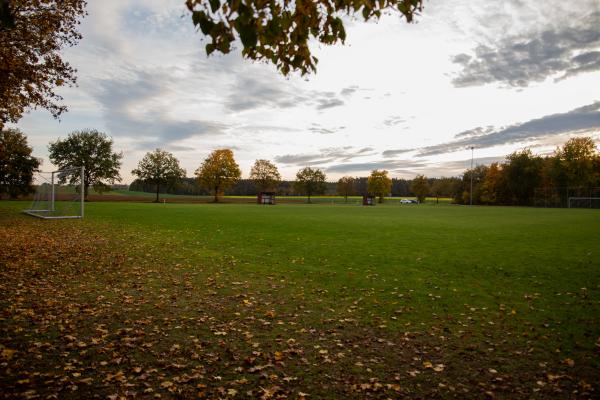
(144, 79)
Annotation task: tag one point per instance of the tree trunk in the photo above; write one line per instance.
(380, 199)
(308, 193)
(216, 194)
(85, 191)
(157, 190)
(346, 198)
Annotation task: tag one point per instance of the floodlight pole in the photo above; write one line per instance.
(82, 190)
(52, 194)
(471, 191)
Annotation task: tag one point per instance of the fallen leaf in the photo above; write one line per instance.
(7, 354)
(569, 362)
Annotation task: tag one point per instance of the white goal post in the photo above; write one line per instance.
(55, 199)
(584, 202)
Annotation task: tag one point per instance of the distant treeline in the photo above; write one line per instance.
(573, 170)
(522, 179)
(246, 187)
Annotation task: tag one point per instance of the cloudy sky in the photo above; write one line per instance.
(410, 98)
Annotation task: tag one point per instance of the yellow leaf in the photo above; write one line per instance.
(7, 354)
(166, 384)
(438, 368)
(569, 362)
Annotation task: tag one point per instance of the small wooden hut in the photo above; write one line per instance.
(368, 200)
(266, 198)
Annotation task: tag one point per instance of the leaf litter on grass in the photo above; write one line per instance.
(87, 313)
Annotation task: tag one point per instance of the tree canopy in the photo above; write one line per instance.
(522, 172)
(310, 181)
(92, 150)
(345, 187)
(379, 184)
(492, 187)
(577, 159)
(32, 33)
(528, 179)
(17, 165)
(159, 168)
(442, 187)
(219, 171)
(420, 187)
(280, 31)
(265, 175)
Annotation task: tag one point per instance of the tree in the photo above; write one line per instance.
(218, 171)
(280, 31)
(420, 187)
(265, 175)
(17, 165)
(523, 174)
(345, 187)
(462, 190)
(310, 181)
(32, 33)
(400, 187)
(492, 188)
(92, 150)
(442, 187)
(159, 168)
(576, 160)
(379, 184)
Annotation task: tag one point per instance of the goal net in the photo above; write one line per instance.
(584, 202)
(58, 194)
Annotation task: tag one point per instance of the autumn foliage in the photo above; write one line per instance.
(265, 175)
(218, 171)
(574, 168)
(32, 34)
(310, 181)
(280, 32)
(380, 184)
(346, 187)
(17, 165)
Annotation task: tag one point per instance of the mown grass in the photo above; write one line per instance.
(506, 300)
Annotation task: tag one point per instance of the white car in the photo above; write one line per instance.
(408, 201)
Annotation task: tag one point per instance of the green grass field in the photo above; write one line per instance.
(301, 301)
(137, 196)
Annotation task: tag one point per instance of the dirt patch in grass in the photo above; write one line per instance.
(85, 317)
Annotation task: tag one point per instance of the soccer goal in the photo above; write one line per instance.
(584, 202)
(59, 194)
